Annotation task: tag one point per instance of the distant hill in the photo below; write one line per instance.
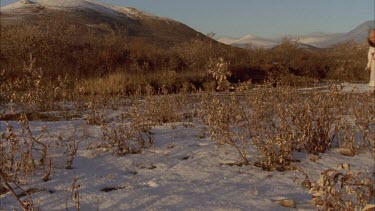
(310, 41)
(138, 24)
(252, 41)
(359, 34)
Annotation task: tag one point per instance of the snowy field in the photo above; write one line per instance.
(182, 170)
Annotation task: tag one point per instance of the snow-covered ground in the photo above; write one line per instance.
(183, 170)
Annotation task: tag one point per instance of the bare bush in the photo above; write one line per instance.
(22, 150)
(342, 189)
(364, 118)
(22, 153)
(280, 120)
(226, 123)
(32, 90)
(70, 144)
(164, 107)
(95, 116)
(218, 69)
(273, 132)
(129, 137)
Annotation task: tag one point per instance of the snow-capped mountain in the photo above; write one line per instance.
(317, 40)
(139, 25)
(228, 40)
(320, 40)
(249, 41)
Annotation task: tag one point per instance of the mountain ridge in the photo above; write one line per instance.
(139, 25)
(316, 40)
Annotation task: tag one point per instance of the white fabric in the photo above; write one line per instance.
(371, 65)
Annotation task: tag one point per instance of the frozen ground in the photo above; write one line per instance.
(181, 171)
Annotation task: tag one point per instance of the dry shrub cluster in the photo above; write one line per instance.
(130, 135)
(218, 69)
(95, 115)
(21, 150)
(133, 132)
(107, 62)
(226, 123)
(341, 189)
(318, 118)
(22, 154)
(33, 90)
(279, 121)
(61, 47)
(342, 62)
(162, 107)
(70, 144)
(26, 154)
(363, 111)
(125, 83)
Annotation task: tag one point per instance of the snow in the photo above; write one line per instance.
(187, 176)
(18, 5)
(357, 88)
(181, 171)
(227, 40)
(106, 9)
(251, 40)
(64, 3)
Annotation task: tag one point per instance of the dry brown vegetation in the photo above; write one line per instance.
(108, 62)
(49, 64)
(276, 121)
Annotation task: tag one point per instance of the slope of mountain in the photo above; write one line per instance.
(359, 34)
(138, 24)
(320, 40)
(313, 40)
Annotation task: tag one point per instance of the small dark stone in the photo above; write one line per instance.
(108, 189)
(152, 167)
(186, 157)
(3, 190)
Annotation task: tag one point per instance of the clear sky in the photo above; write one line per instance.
(266, 18)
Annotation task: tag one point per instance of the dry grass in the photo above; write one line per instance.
(128, 136)
(342, 189)
(22, 153)
(278, 121)
(274, 119)
(123, 83)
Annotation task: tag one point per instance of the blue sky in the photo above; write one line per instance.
(266, 18)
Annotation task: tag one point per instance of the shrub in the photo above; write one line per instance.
(342, 189)
(34, 90)
(128, 137)
(226, 123)
(278, 120)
